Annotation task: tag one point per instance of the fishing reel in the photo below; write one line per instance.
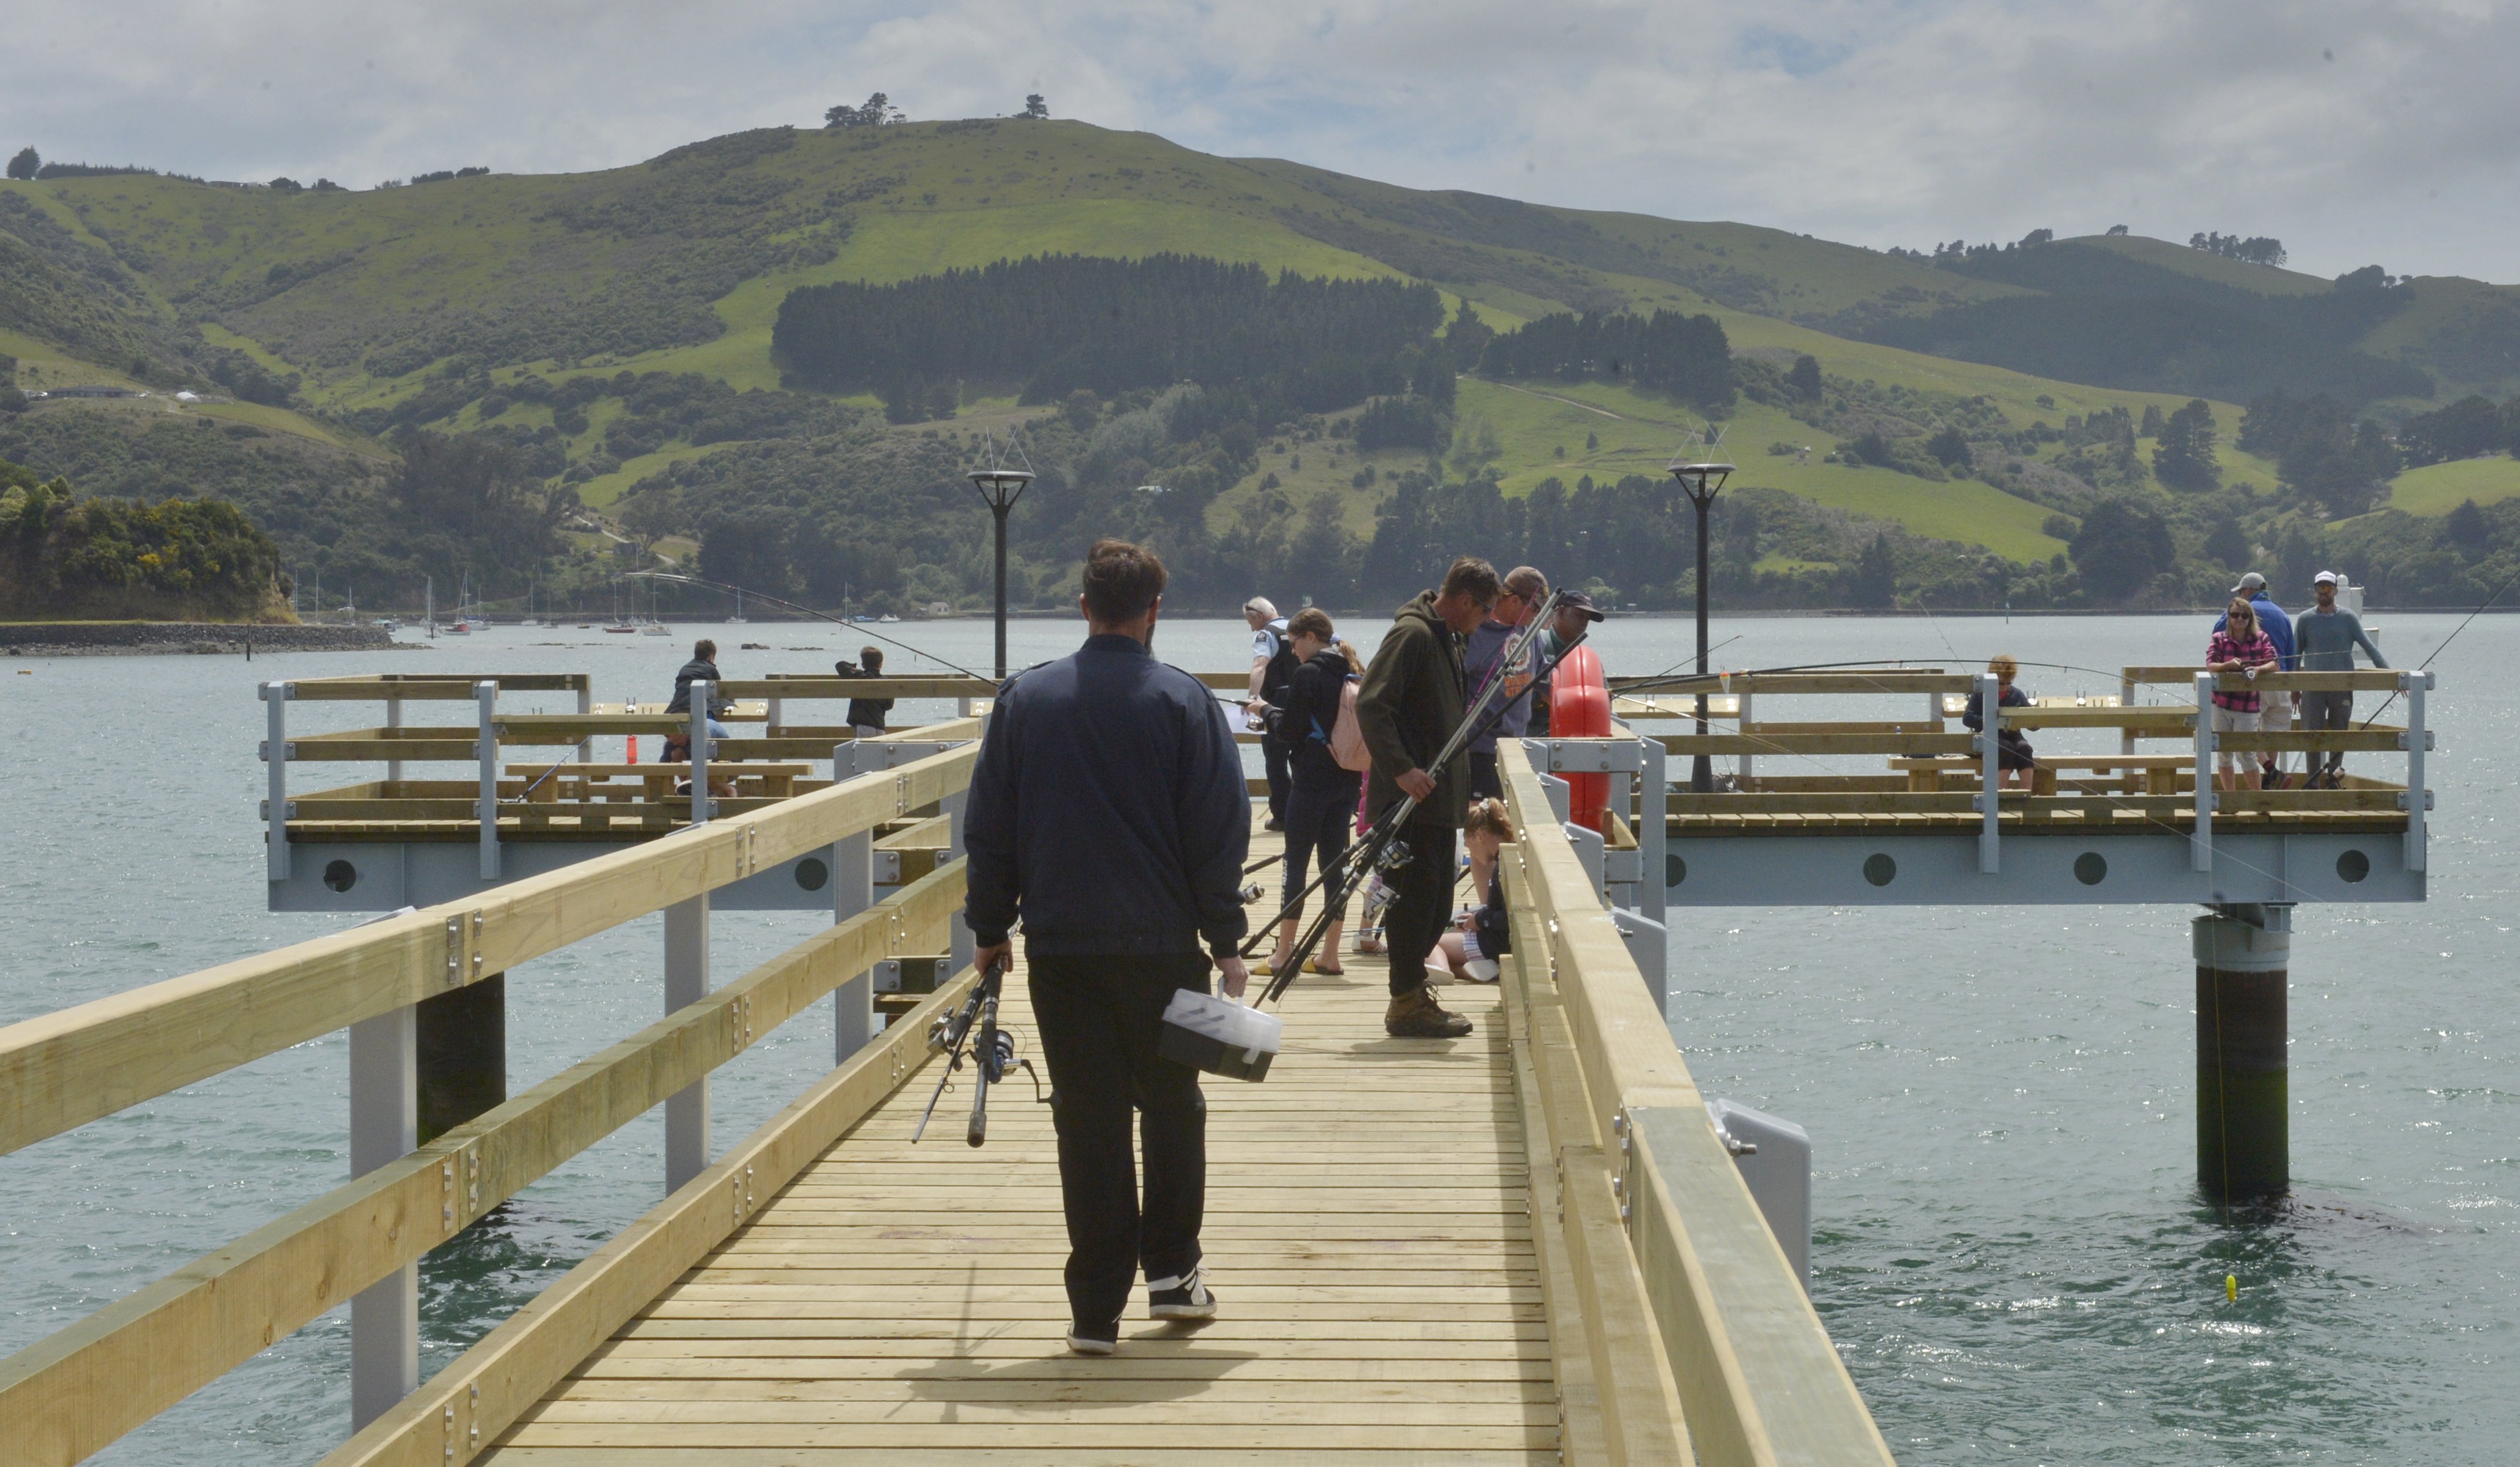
(971, 1036)
(1251, 892)
(1394, 858)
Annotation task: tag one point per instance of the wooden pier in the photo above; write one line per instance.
(1532, 1245)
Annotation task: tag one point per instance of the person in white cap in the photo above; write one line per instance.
(2327, 637)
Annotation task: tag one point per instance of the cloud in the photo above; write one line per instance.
(2355, 133)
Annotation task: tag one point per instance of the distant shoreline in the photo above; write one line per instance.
(143, 639)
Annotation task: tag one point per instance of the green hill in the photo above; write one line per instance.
(474, 304)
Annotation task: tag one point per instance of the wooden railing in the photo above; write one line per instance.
(75, 1391)
(1698, 1337)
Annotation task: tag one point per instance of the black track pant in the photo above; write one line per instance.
(1319, 813)
(1099, 1018)
(1422, 902)
(1274, 763)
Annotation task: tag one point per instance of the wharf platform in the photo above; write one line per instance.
(1536, 1244)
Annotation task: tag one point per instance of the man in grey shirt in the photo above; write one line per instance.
(2327, 637)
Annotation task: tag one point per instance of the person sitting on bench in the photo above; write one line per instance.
(2013, 757)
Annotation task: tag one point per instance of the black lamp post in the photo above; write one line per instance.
(1701, 483)
(1000, 488)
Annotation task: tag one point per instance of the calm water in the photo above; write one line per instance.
(2009, 1252)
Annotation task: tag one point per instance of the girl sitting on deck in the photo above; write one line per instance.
(1482, 937)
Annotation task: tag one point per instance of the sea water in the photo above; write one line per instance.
(2009, 1249)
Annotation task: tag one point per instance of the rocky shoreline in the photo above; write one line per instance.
(145, 639)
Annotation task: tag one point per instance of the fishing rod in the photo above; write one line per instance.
(2445, 641)
(859, 626)
(1372, 852)
(1369, 853)
(971, 1033)
(1663, 684)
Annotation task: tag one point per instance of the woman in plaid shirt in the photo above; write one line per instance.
(2241, 647)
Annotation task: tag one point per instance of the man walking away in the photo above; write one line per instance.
(1108, 814)
(2274, 717)
(1409, 704)
(1273, 670)
(1524, 589)
(865, 716)
(1574, 609)
(2327, 638)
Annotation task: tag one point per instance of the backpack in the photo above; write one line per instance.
(1347, 738)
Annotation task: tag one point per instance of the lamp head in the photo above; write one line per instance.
(1701, 483)
(1000, 487)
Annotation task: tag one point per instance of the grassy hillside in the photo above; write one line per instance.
(418, 303)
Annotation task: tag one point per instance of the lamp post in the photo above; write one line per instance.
(1000, 488)
(1701, 483)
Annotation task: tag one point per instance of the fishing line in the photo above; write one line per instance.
(691, 580)
(2445, 641)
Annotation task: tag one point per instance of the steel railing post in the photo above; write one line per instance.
(2203, 845)
(1653, 828)
(1990, 707)
(2415, 685)
(699, 738)
(586, 709)
(274, 753)
(852, 892)
(394, 719)
(384, 1126)
(687, 974)
(959, 942)
(486, 696)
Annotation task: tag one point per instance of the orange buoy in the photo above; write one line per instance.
(1579, 707)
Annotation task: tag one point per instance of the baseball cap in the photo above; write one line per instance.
(2250, 582)
(1576, 601)
(2324, 578)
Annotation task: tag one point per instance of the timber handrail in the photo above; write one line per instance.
(71, 1394)
(62, 1070)
(1759, 1381)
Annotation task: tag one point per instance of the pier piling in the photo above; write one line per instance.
(2243, 1131)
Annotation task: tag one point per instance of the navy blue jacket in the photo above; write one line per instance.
(1109, 810)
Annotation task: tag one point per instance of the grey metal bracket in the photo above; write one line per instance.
(1585, 756)
(1649, 944)
(871, 756)
(1588, 849)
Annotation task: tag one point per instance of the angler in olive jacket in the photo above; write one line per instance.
(1409, 703)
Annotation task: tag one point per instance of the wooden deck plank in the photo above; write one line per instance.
(1368, 1235)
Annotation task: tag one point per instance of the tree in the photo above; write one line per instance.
(2466, 531)
(2185, 457)
(1804, 378)
(2151, 427)
(877, 111)
(2120, 550)
(1035, 108)
(2226, 544)
(2465, 429)
(287, 185)
(1950, 448)
(1876, 584)
(26, 165)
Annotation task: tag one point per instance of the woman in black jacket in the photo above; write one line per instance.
(1321, 799)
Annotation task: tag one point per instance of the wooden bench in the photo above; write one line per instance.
(769, 781)
(2158, 773)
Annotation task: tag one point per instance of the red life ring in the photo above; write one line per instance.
(1579, 707)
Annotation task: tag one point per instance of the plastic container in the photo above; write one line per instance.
(1219, 1036)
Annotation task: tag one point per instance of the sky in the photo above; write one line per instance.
(2355, 133)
